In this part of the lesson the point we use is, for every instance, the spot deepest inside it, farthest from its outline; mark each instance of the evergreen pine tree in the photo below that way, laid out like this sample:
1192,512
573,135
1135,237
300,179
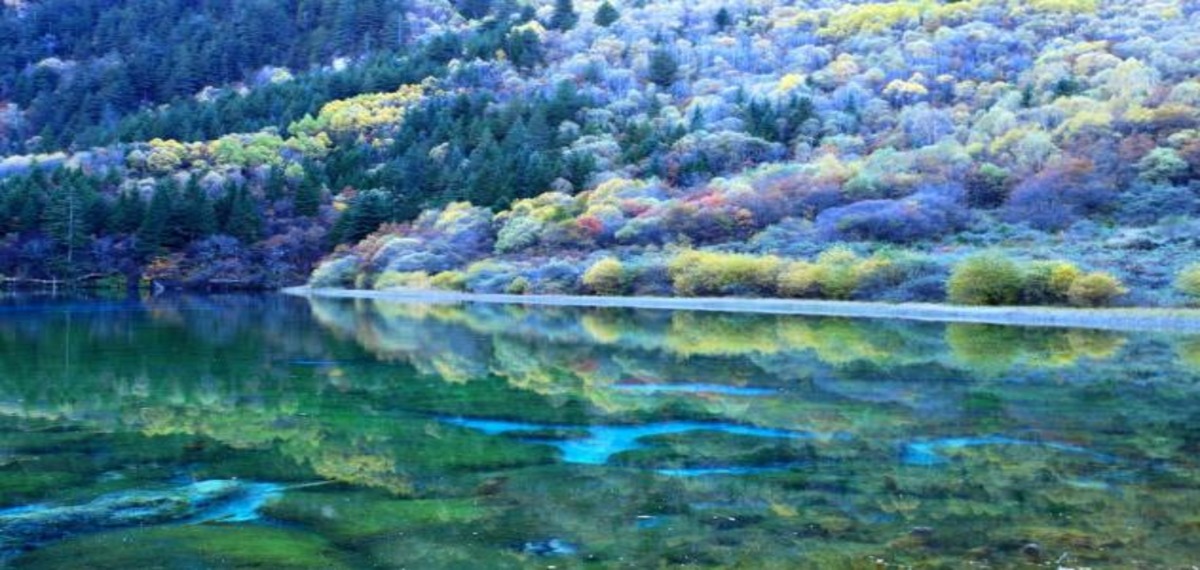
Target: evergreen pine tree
128,213
152,233
64,220
368,210
663,68
564,17
195,217
606,15
722,20
275,185
308,196
244,223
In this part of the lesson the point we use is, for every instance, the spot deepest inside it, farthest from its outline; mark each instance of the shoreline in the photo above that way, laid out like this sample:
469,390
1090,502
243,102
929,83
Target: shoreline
1131,319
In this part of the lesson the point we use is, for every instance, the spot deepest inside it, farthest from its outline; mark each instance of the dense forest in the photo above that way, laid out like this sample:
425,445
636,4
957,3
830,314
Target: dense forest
982,151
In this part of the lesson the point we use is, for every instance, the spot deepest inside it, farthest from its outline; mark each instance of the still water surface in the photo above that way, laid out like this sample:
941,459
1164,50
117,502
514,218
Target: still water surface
277,432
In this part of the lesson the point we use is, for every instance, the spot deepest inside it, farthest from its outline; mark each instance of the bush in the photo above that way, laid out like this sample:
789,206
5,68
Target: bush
490,276
925,215
987,187
905,278
648,275
985,279
1145,204
518,286
1188,281
605,277
1095,290
1048,282
839,271
798,279
1058,196
338,272
402,280
449,281
714,273
554,277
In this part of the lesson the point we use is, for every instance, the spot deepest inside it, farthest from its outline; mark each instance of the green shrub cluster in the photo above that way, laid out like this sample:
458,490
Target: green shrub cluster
835,274
714,273
1188,282
449,281
402,280
993,279
606,277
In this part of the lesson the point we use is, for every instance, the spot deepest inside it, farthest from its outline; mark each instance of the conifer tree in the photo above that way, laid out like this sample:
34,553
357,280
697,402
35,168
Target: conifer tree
194,217
564,17
663,68
606,15
244,223
128,213
722,20
308,196
152,233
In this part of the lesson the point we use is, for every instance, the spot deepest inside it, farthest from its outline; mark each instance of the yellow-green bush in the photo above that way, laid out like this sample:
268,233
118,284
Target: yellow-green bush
402,280
1188,281
1047,282
798,279
1095,290
605,277
839,271
711,273
985,279
449,281
518,286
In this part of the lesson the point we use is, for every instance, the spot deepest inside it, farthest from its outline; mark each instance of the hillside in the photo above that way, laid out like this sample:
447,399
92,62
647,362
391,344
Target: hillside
807,149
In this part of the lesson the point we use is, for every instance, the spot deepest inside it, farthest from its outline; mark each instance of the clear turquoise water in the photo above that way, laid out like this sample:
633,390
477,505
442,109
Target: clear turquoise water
275,432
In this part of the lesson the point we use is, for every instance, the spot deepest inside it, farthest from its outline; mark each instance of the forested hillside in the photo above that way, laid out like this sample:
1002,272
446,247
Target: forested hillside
907,150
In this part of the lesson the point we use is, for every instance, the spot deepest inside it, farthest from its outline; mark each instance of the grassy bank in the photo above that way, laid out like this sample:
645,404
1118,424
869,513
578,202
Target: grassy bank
1134,319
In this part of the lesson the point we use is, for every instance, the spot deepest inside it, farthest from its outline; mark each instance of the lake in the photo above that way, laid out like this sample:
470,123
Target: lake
279,432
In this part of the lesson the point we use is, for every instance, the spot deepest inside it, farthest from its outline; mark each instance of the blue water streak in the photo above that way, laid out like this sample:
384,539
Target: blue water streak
926,453
688,472
602,442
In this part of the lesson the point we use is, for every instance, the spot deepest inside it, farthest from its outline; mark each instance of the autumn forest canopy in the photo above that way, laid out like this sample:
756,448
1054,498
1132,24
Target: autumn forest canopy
973,151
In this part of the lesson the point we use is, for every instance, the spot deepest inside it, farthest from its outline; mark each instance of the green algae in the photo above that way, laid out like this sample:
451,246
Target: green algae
192,546
355,516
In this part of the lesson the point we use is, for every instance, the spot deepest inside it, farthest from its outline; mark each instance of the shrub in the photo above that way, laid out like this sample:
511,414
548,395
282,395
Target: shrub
518,286
648,275
987,187
605,277
708,272
1188,281
985,279
554,277
1095,290
928,214
1058,196
839,271
402,280
335,272
489,276
905,278
449,281
798,279
1162,165
1047,282
519,233
1145,204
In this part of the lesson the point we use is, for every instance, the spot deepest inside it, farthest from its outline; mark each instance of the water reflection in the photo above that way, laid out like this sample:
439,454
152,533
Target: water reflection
439,435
